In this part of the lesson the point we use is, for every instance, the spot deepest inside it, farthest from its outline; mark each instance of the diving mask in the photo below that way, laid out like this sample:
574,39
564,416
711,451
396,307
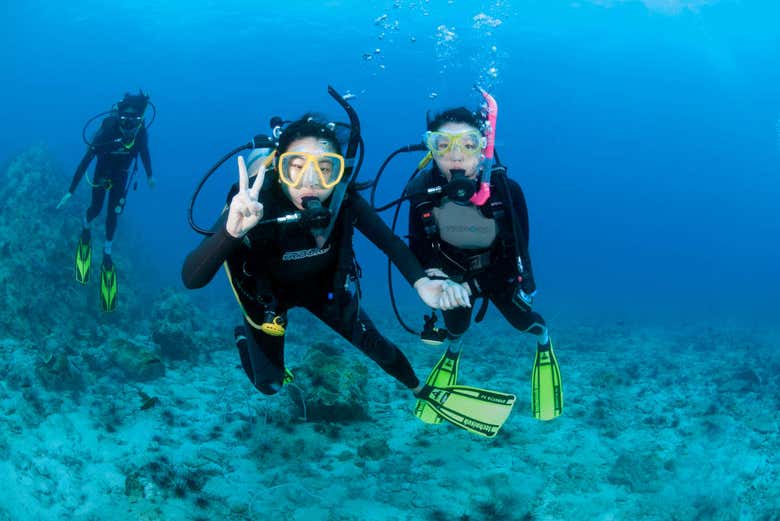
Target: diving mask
295,168
470,142
130,122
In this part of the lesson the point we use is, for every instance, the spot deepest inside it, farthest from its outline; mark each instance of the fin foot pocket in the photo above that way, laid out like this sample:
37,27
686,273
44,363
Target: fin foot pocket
444,374
108,285
546,385
83,264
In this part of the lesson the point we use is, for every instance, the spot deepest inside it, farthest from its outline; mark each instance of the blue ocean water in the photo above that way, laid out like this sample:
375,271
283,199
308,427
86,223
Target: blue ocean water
649,125
645,134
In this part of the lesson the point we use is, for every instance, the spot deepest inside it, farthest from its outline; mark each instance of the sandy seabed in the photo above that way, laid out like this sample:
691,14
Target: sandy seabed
660,423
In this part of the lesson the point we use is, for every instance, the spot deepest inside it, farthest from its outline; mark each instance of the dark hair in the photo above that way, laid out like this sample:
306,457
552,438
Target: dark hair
456,115
134,103
309,125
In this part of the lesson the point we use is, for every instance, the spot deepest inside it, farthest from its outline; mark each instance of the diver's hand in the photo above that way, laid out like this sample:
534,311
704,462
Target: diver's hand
442,294
436,273
151,181
245,210
64,200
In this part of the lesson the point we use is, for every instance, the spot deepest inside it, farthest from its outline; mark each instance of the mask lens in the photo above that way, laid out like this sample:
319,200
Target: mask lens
438,142
130,122
291,168
326,168
471,143
331,168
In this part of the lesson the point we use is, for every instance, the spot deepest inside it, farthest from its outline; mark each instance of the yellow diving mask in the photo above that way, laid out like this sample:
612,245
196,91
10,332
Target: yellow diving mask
470,142
295,167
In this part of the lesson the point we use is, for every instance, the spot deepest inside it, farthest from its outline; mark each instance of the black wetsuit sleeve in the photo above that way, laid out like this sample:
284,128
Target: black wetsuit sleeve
521,216
521,210
203,262
103,136
143,151
89,155
374,228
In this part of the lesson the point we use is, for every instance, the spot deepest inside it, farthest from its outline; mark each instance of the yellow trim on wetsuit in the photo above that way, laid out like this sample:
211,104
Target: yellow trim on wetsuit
238,299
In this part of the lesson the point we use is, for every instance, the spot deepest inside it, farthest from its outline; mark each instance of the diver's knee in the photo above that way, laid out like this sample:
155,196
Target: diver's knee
377,347
456,330
268,388
531,322
537,329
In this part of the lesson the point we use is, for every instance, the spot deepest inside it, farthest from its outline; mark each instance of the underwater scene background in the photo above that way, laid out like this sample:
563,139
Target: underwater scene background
646,137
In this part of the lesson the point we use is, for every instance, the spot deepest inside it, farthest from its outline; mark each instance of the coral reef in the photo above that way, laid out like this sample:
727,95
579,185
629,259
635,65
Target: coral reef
138,361
57,373
177,326
333,385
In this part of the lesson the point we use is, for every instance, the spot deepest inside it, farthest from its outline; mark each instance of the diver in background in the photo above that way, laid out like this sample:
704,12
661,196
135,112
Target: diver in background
469,221
121,139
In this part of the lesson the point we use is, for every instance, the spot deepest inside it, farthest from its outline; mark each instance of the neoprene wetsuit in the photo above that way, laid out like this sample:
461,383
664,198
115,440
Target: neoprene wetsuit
291,269
491,271
114,158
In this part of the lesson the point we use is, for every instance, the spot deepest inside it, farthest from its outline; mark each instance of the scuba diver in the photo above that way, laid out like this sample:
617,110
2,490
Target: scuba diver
120,140
468,222
285,241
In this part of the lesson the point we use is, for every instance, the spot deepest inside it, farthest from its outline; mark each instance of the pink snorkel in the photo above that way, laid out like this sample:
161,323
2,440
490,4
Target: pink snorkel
483,194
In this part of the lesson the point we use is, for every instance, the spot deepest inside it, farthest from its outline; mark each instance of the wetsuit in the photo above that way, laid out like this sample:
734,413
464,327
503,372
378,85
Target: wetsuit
490,269
283,263
114,155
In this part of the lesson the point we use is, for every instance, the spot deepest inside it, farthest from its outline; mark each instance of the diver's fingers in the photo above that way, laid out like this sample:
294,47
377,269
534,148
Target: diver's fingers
241,204
466,300
451,302
465,293
458,295
246,208
467,288
447,291
257,209
243,177
254,193
444,301
436,272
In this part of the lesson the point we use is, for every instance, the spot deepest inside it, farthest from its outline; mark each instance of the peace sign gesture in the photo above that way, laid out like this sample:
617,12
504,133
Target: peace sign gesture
245,210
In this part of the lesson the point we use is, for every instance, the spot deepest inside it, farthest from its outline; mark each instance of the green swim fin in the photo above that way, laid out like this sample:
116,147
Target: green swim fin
444,374
108,284
480,411
546,385
84,257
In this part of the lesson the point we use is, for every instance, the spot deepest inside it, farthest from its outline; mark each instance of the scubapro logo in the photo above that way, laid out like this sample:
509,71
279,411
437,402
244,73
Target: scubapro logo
304,254
456,228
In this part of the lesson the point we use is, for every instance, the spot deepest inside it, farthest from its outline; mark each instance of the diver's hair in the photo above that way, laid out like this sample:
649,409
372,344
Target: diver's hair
456,115
309,125
135,103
